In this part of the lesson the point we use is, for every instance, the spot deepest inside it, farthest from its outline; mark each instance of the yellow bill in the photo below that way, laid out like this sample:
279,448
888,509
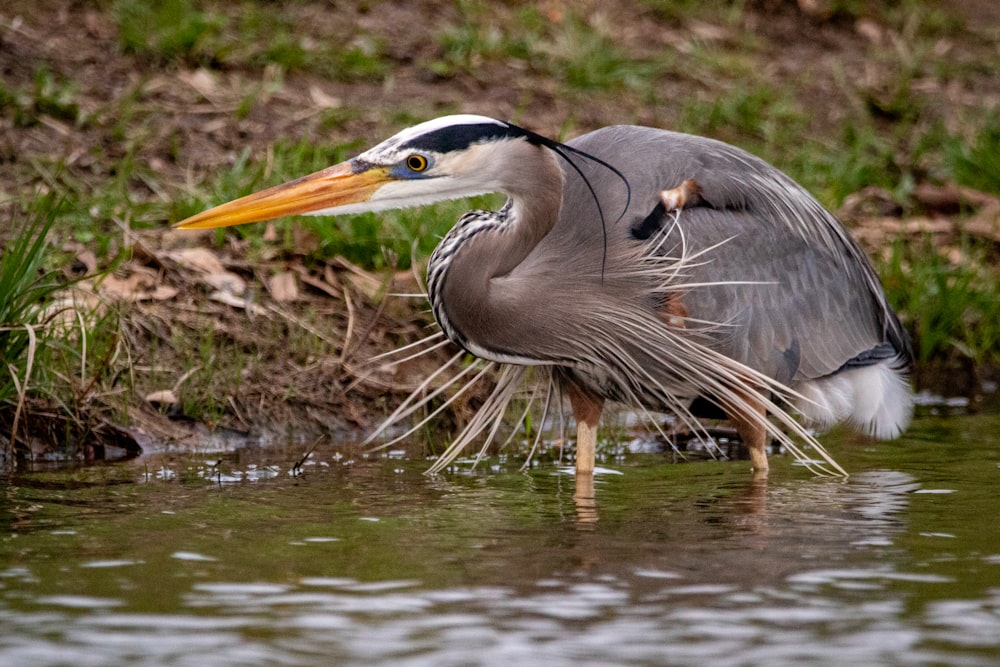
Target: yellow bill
335,187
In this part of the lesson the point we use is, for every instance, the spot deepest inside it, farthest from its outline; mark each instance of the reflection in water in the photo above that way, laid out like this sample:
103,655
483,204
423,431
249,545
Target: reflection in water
585,499
747,534
372,562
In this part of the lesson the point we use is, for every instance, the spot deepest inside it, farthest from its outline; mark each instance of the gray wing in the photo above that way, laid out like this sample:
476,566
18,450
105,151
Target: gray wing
788,291
783,306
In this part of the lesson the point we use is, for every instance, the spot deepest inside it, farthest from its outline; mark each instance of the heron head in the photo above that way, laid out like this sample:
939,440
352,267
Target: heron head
446,158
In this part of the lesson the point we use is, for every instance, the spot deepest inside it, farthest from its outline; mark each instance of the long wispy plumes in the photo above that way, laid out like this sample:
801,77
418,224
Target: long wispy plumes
692,369
415,345
418,399
550,390
488,418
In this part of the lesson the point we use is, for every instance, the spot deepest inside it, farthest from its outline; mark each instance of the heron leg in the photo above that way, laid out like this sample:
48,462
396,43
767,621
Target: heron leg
587,413
752,431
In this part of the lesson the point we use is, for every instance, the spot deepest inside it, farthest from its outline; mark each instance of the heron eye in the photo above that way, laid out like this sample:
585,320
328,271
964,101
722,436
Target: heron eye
416,162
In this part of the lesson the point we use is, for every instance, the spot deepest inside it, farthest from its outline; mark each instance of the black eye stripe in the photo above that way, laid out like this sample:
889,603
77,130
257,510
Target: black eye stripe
458,137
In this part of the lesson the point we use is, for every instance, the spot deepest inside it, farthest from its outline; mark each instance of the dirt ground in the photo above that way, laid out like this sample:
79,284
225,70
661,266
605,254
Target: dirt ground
186,123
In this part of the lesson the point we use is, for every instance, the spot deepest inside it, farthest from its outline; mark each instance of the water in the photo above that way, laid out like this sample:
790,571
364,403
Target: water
172,560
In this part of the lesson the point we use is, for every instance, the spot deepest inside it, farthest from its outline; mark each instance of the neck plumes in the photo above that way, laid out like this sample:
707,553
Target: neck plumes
472,276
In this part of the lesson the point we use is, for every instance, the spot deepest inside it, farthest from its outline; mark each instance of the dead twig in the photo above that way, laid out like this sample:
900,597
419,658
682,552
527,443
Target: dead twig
297,468
342,359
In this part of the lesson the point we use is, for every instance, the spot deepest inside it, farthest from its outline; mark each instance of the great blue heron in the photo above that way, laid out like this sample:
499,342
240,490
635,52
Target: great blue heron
661,270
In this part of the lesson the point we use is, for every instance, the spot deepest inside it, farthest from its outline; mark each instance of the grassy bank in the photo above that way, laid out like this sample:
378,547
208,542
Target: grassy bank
136,115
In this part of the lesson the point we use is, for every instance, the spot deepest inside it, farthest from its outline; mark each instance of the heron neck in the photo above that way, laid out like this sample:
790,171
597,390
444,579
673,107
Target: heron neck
469,306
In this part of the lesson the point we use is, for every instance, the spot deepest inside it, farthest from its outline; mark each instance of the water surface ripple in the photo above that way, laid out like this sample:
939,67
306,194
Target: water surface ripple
185,560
